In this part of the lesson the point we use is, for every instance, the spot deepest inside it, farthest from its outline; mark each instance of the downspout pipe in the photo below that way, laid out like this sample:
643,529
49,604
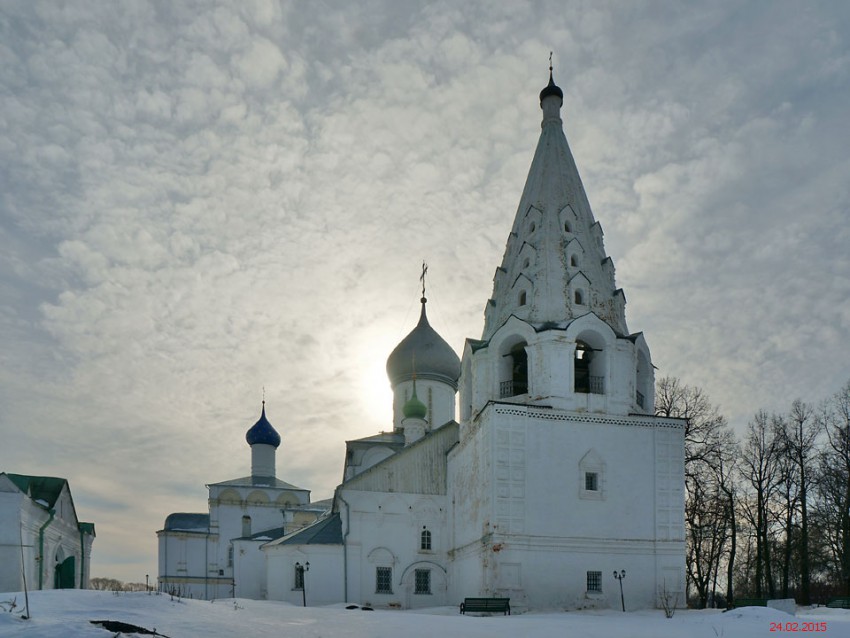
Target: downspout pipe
41,548
82,560
207,563
345,547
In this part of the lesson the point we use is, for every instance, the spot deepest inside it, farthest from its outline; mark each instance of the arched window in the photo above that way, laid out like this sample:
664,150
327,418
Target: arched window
574,261
246,526
567,227
425,540
522,298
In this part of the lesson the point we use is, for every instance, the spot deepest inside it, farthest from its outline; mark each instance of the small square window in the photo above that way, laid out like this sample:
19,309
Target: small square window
422,581
594,582
383,580
591,481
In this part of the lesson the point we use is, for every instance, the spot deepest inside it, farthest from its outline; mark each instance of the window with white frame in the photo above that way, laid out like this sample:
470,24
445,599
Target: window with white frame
594,582
425,540
591,481
422,581
383,580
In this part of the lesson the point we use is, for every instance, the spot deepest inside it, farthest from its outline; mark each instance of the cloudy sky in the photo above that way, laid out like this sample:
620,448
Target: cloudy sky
200,200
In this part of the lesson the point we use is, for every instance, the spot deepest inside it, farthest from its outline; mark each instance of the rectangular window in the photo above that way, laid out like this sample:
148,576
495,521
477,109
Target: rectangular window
591,481
425,540
230,556
299,578
383,580
422,581
594,581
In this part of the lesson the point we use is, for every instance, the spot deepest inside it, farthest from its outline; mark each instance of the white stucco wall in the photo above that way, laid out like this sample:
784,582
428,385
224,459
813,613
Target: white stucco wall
324,580
385,531
10,544
249,565
188,564
525,527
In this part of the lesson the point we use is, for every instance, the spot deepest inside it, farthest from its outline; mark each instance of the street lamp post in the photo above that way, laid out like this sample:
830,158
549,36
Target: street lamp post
300,569
620,576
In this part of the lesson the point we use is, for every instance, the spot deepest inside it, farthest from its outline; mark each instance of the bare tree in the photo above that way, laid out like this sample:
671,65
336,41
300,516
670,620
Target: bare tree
106,584
787,504
834,483
726,472
710,450
704,426
799,437
759,463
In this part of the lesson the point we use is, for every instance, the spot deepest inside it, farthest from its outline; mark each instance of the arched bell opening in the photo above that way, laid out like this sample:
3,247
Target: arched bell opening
514,371
589,366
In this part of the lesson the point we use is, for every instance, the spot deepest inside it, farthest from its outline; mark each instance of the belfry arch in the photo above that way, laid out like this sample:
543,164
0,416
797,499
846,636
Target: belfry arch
589,364
513,375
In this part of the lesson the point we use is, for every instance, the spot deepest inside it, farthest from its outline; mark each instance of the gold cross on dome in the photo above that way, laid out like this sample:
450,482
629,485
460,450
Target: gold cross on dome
422,276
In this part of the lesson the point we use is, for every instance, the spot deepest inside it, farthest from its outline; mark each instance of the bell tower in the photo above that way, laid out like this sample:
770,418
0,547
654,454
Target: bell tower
562,473
554,328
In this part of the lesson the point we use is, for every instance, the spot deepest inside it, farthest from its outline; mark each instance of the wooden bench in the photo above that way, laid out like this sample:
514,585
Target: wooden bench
486,605
839,603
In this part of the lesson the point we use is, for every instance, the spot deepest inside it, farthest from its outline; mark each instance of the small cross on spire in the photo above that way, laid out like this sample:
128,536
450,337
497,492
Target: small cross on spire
422,278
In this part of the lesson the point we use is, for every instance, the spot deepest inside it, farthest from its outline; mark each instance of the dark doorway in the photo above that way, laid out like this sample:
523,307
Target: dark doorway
64,575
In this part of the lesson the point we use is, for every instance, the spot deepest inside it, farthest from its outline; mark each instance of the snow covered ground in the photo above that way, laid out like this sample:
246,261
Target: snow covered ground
67,614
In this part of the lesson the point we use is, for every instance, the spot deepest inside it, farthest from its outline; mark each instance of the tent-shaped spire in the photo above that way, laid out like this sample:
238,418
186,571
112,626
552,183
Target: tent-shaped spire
554,268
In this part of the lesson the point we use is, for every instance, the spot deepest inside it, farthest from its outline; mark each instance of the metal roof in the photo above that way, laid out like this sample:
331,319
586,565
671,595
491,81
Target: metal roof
327,531
186,522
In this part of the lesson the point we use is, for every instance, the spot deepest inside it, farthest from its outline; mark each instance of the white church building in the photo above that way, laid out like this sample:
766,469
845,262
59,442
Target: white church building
548,475
43,545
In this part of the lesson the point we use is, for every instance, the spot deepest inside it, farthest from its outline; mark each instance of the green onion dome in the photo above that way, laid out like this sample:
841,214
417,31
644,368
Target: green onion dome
413,407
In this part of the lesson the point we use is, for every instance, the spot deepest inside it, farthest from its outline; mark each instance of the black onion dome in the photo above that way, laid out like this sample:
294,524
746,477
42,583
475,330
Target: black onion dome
551,89
424,353
263,432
